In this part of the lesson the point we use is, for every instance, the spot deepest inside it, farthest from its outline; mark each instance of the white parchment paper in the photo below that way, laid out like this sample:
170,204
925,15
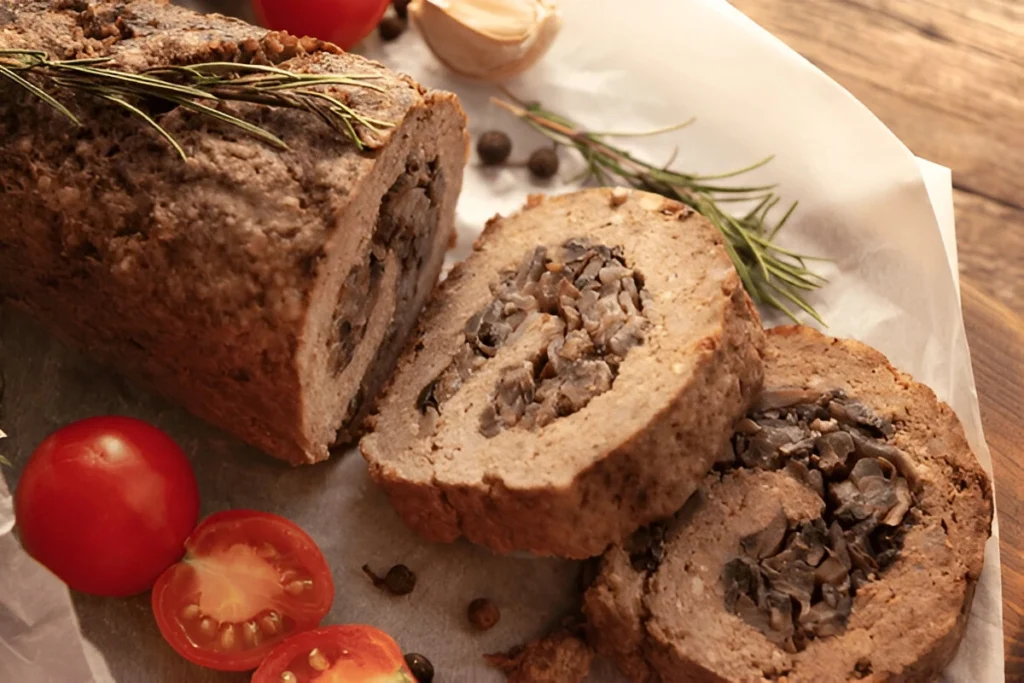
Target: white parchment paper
621,66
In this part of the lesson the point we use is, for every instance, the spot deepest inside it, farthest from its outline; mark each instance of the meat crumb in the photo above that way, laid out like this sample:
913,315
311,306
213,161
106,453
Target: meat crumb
557,658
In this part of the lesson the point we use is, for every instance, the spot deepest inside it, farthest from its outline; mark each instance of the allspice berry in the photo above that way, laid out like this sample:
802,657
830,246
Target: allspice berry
493,147
483,614
401,8
390,28
543,163
420,667
400,580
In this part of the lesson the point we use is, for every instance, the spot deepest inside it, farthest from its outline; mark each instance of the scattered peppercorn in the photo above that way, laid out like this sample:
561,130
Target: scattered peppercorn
493,147
390,28
401,8
420,666
400,580
543,163
483,614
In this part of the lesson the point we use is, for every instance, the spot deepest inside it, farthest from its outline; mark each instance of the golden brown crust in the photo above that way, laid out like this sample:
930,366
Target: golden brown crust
215,279
671,625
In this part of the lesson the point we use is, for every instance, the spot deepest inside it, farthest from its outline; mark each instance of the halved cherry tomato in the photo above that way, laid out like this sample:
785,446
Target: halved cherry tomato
344,22
106,504
352,653
248,581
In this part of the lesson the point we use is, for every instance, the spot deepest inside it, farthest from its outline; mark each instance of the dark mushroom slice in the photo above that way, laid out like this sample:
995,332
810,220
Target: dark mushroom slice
558,372
813,565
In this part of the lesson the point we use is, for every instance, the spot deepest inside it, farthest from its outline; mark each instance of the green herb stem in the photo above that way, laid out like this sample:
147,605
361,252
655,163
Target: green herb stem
198,88
772,275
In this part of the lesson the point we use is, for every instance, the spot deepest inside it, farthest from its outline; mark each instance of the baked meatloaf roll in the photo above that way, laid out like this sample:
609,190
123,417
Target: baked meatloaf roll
842,539
267,290
572,380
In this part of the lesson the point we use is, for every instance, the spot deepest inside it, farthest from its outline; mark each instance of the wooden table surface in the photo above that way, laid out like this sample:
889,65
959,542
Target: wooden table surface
947,76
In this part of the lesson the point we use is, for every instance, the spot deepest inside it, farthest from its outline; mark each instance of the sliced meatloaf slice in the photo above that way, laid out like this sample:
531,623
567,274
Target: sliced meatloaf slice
842,542
572,380
267,290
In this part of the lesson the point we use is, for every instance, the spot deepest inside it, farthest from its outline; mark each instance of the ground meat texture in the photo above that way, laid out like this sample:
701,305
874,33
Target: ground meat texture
840,540
268,291
558,372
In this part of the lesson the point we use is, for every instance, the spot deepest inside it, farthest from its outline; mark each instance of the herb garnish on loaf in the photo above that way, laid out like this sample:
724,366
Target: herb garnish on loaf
267,290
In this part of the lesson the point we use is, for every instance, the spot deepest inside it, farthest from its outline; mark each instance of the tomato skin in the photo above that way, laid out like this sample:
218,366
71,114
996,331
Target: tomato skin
343,22
356,653
106,504
235,573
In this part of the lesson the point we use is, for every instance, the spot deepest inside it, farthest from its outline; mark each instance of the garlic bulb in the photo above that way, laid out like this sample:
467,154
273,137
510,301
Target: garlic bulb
488,40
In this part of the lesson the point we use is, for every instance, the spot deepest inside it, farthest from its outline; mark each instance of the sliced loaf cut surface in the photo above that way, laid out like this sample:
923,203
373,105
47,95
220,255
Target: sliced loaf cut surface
572,380
844,542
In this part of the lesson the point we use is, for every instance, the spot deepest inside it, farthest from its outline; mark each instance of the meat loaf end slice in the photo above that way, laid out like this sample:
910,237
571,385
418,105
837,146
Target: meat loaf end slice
844,542
572,380
268,291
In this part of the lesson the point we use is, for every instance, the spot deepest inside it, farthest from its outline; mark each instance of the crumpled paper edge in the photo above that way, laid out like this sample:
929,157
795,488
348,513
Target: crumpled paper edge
938,181
40,640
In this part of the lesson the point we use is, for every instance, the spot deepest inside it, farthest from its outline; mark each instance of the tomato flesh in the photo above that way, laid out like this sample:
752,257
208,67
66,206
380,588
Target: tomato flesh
352,653
248,581
106,504
343,22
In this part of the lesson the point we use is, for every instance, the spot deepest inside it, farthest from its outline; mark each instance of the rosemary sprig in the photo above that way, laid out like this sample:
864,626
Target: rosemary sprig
773,276
197,88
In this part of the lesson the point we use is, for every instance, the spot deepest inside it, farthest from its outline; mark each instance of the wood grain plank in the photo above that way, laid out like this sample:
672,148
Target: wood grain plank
959,107
996,336
990,238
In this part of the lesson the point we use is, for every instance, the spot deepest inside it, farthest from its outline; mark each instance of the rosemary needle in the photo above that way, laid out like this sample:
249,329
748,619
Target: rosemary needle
772,275
198,88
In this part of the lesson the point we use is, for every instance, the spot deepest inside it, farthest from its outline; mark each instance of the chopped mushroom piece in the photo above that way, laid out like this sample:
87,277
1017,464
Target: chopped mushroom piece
795,582
599,319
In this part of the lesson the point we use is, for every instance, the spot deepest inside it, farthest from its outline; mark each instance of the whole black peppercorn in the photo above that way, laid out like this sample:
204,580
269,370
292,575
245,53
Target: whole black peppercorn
390,28
483,614
420,667
493,147
400,580
543,163
401,8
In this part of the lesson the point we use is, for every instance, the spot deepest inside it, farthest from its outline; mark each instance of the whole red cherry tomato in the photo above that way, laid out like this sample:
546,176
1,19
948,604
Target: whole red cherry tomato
248,581
351,653
106,504
344,22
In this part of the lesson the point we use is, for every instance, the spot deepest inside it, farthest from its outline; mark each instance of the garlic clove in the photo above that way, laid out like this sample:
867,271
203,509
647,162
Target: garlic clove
488,40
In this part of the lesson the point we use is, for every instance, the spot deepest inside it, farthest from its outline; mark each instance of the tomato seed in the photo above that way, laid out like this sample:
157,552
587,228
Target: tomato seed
227,637
317,660
288,677
271,623
190,612
267,551
296,587
208,626
251,633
